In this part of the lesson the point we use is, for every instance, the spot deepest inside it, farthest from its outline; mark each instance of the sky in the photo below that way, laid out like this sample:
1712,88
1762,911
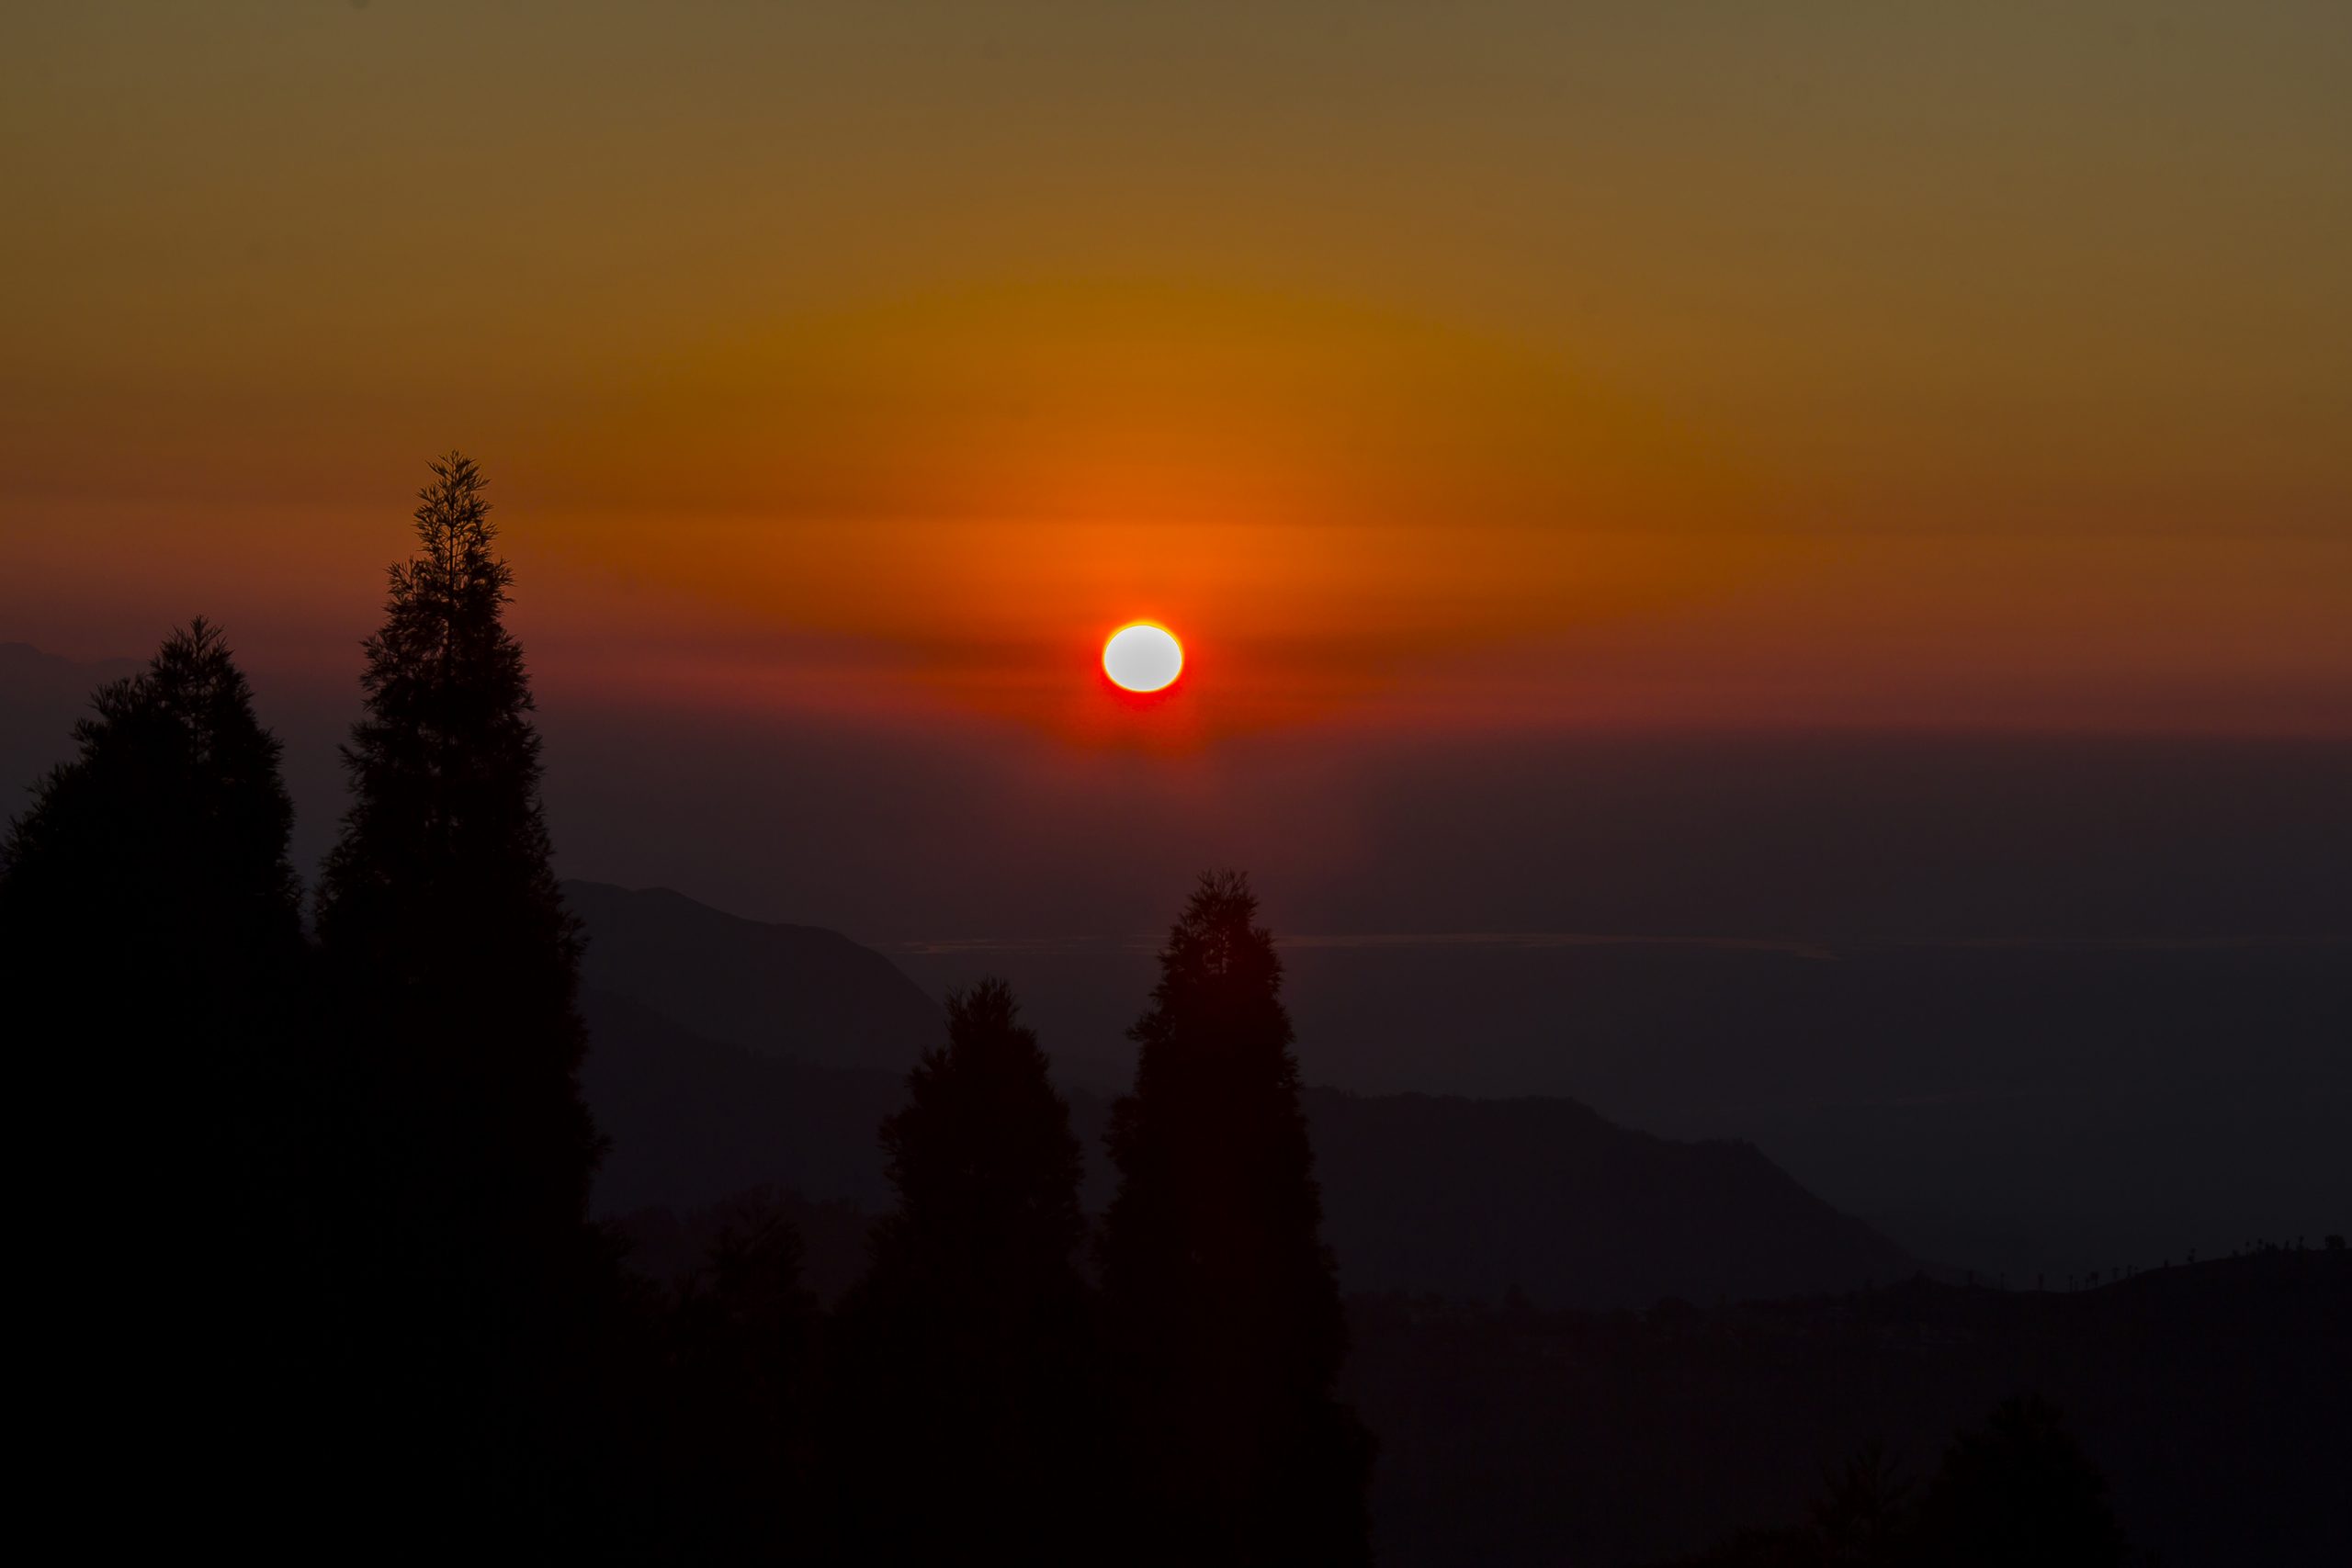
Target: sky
1432,369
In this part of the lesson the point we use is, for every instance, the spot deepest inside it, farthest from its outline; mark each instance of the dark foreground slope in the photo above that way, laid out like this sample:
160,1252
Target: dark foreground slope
1466,1197
2217,1398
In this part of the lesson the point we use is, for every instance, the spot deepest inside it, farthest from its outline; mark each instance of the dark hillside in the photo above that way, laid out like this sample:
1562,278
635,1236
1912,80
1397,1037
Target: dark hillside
2217,1398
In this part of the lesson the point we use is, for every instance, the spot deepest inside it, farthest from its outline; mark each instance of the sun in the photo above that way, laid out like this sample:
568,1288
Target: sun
1143,656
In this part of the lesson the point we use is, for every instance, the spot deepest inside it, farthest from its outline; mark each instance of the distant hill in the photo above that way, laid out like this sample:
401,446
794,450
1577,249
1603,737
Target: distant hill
779,990
28,674
1472,1197
1460,1197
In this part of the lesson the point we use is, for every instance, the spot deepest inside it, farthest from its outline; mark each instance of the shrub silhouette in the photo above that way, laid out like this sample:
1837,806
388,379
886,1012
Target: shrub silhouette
1221,1301
2018,1491
1866,1511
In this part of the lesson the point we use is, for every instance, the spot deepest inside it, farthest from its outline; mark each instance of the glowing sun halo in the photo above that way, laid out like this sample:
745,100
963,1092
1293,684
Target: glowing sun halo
1143,657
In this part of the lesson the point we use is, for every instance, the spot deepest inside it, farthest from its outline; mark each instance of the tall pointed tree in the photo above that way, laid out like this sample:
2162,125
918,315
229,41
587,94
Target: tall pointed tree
150,934
1222,1302
157,855
440,901
148,914
455,961
963,1355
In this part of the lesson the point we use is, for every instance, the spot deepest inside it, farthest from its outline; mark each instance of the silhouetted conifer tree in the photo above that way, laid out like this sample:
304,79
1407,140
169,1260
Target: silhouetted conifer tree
444,930
148,924
162,844
1221,1301
962,1356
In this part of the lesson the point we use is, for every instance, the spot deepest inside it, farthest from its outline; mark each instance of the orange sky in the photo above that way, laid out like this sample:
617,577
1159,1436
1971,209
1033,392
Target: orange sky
1479,366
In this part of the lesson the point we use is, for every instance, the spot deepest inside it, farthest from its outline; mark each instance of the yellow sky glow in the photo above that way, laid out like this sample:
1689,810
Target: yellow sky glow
1499,364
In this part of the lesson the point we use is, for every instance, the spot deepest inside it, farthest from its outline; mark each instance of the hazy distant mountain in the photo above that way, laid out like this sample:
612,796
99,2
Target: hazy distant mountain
694,1119
1460,1197
780,990
1472,1197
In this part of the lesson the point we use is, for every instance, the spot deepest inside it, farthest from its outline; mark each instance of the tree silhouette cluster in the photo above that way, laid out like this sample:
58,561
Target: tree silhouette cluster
2017,1493
347,1298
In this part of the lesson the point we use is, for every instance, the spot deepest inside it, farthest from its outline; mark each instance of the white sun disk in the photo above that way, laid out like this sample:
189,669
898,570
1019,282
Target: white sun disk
1142,657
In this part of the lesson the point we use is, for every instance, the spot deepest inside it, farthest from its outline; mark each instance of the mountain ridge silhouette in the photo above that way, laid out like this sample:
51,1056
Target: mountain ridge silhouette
767,987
